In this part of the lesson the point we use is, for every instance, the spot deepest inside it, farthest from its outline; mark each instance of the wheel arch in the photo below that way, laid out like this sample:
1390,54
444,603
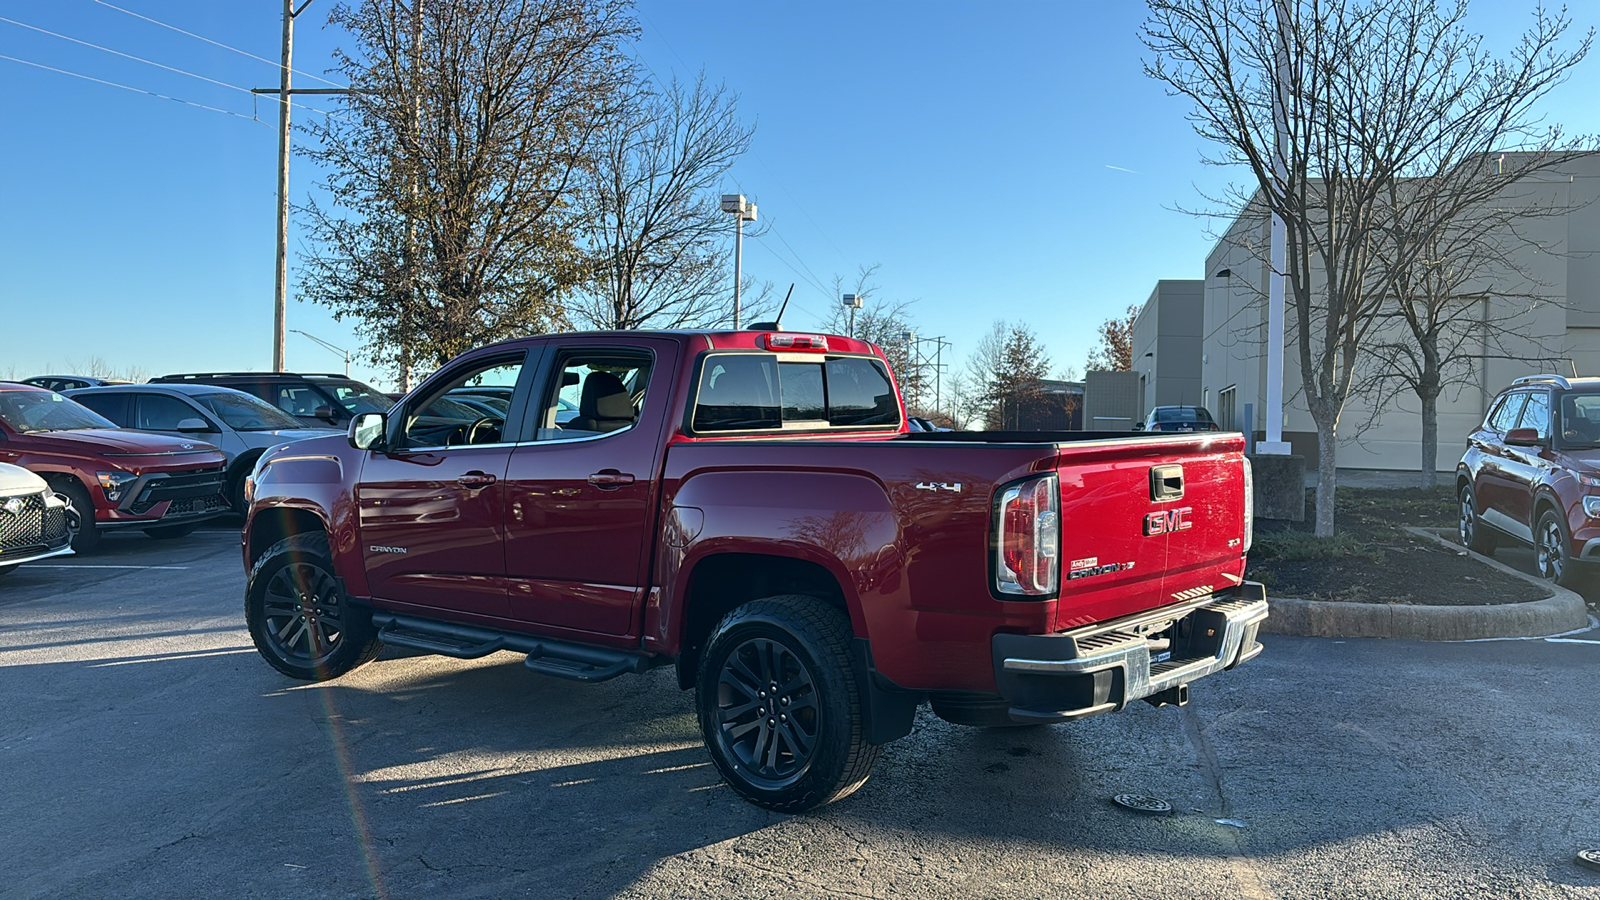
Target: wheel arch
719,582
273,524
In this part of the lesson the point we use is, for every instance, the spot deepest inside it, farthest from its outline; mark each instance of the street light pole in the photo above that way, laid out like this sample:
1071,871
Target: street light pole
852,302
743,211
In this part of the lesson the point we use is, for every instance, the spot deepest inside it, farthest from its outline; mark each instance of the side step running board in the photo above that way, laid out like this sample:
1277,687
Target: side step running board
578,662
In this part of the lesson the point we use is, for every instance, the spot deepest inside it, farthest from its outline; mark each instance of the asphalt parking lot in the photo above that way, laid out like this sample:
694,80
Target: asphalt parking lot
148,752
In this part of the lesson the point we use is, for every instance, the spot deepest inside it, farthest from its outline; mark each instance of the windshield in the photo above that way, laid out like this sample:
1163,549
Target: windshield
243,412
1580,421
32,411
355,396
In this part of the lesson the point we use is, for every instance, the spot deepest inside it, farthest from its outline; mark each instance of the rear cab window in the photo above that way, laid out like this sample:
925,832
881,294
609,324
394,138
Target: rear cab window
742,392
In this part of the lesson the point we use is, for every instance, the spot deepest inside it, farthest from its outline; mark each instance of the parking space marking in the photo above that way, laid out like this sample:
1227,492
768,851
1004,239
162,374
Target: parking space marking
170,568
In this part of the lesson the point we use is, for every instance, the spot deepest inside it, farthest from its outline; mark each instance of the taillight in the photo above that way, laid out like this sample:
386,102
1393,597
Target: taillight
797,342
1249,504
1028,538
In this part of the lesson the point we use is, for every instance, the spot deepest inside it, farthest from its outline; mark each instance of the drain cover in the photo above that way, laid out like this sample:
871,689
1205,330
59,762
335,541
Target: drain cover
1589,859
1154,806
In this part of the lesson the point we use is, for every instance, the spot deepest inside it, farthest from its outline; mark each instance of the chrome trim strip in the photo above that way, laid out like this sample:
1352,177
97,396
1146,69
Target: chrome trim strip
63,551
1507,524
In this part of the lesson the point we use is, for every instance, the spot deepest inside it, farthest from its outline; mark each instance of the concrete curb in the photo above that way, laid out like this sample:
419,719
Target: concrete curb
1562,612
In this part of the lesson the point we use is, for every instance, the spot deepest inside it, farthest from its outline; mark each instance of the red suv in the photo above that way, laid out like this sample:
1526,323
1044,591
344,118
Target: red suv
1531,475
111,478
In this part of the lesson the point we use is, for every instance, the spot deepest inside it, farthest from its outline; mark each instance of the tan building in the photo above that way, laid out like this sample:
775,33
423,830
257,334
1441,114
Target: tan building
1553,313
1167,336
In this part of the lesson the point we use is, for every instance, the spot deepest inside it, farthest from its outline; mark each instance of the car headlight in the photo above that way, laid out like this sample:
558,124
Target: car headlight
1591,507
1589,480
114,483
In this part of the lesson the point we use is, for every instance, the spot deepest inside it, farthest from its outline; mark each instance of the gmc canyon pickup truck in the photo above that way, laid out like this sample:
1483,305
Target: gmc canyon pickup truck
751,507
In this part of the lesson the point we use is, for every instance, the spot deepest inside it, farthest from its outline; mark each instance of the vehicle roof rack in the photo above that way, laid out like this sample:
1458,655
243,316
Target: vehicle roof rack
1557,380
182,375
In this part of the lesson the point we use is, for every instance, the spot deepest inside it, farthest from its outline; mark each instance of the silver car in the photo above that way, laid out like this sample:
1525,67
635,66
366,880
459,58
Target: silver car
241,425
33,520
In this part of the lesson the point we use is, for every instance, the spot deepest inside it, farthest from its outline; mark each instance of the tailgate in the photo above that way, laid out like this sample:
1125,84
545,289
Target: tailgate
1147,522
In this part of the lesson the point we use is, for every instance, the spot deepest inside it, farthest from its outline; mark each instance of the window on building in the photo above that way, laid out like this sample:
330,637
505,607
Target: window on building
1226,414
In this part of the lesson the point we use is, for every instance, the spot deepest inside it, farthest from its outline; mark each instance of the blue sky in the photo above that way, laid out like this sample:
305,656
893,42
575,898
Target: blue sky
996,160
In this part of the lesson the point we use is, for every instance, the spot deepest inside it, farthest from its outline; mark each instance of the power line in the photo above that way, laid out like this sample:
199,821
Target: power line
198,37
148,62
228,112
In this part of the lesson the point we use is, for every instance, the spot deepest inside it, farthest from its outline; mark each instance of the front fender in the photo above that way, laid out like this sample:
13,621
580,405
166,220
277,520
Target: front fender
298,488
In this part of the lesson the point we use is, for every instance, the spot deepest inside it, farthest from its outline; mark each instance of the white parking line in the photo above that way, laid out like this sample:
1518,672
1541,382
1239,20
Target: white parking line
170,568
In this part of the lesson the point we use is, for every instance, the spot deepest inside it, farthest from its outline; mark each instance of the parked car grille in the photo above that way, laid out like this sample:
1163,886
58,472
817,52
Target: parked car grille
32,528
182,486
197,505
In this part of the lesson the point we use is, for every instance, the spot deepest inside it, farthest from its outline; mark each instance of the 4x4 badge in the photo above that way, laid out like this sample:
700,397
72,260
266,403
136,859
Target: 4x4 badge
952,487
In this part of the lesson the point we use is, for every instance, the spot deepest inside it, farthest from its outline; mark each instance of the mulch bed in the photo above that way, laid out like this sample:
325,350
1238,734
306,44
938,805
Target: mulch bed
1373,559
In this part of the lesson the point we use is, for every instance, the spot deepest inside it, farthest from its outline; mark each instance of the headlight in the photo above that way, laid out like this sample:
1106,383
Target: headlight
114,483
1591,507
1589,480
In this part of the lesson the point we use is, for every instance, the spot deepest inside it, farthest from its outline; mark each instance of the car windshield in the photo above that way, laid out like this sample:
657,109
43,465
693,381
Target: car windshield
243,412
33,411
1580,421
355,396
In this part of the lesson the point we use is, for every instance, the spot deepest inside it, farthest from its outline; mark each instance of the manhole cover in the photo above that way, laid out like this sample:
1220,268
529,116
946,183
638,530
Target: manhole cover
1155,806
1589,859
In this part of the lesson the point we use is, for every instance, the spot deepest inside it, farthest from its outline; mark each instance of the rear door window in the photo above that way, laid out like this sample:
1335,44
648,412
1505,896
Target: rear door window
758,392
1505,417
112,406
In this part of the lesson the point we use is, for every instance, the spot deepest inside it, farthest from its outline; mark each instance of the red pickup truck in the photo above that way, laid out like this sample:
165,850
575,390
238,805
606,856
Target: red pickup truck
751,507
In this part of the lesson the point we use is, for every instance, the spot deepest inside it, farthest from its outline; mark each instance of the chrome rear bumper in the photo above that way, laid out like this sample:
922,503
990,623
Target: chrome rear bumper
1151,655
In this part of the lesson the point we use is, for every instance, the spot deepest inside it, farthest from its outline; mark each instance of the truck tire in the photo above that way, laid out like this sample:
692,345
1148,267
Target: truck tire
80,513
298,616
779,705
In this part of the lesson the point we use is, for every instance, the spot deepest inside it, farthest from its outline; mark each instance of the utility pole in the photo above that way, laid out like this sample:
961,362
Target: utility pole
284,92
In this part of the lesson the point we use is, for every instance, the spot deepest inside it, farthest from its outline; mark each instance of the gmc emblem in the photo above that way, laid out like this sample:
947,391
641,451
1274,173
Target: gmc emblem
1168,521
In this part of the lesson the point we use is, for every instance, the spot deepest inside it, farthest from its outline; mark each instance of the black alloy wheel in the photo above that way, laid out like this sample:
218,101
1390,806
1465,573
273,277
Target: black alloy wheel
767,715
779,705
1474,535
299,618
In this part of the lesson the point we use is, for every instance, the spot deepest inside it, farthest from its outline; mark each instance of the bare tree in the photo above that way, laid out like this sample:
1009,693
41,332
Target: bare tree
657,238
1467,295
451,217
1365,93
1114,353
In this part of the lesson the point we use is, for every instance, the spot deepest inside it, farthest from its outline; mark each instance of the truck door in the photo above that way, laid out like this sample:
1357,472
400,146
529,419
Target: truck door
582,490
431,507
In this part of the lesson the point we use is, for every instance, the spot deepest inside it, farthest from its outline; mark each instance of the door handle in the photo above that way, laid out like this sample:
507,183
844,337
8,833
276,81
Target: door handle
610,479
475,480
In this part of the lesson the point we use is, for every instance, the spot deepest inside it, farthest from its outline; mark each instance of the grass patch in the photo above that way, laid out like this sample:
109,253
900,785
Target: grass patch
1372,558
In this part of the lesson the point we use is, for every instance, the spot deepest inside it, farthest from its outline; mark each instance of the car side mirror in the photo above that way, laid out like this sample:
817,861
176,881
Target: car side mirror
1524,437
323,412
1138,426
368,431
193,425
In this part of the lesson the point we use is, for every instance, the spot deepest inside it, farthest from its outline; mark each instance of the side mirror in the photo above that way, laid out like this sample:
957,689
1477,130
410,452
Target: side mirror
1524,437
368,430
193,425
323,412
1138,426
